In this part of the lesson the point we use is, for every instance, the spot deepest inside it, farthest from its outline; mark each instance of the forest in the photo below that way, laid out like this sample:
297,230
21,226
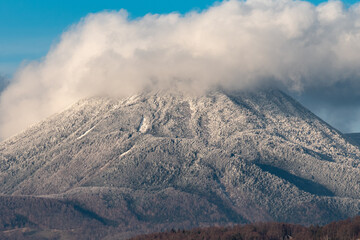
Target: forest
348,229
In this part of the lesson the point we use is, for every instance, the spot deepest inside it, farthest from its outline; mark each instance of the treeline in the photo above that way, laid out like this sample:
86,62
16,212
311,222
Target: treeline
341,230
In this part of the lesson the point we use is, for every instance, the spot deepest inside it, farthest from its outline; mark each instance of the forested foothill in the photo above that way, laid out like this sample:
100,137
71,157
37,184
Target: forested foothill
341,230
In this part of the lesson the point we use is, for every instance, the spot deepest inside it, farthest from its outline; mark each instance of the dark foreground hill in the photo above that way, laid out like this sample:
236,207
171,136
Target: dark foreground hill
343,230
111,168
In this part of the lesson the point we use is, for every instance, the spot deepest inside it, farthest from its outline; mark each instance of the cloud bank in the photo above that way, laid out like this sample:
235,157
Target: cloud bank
236,44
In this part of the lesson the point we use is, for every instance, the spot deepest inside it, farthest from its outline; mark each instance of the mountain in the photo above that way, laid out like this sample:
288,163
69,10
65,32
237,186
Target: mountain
113,168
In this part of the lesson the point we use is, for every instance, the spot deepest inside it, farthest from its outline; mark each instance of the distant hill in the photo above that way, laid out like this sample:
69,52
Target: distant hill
111,167
4,82
354,136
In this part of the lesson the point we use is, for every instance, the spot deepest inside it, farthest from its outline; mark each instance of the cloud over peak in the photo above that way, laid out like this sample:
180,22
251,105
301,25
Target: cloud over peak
236,44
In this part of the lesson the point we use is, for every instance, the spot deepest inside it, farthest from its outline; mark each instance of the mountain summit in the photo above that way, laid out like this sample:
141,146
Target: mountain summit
164,160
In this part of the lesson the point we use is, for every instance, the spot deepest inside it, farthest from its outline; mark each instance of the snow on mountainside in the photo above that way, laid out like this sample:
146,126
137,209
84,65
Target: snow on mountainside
169,159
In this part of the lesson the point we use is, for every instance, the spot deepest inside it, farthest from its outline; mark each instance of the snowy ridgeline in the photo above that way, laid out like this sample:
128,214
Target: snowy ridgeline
251,156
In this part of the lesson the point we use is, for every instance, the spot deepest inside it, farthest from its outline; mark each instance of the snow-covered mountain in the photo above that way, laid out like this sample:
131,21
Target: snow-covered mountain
167,159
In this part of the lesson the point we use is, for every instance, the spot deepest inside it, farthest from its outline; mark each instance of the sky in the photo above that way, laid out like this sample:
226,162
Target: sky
34,34
29,28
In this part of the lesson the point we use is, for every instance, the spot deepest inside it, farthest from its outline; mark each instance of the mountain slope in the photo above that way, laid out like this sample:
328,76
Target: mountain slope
169,159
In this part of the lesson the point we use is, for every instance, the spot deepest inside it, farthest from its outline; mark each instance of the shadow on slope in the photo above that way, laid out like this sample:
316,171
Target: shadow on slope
301,183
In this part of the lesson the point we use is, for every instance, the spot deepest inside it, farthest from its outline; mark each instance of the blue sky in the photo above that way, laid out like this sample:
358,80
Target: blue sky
29,27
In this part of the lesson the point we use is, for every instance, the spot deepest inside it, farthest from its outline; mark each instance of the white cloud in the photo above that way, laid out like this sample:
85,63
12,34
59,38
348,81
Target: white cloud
235,43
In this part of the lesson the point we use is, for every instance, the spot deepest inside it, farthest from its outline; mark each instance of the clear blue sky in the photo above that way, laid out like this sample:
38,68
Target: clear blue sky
29,27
